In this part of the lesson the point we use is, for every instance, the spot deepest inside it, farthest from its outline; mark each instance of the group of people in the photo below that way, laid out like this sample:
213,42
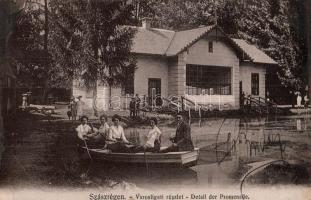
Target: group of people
112,137
75,108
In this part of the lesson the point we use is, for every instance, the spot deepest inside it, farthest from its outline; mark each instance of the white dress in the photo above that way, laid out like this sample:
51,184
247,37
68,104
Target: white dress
299,101
80,105
153,134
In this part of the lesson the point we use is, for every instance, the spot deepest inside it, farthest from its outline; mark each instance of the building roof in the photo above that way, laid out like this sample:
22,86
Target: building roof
255,54
183,39
152,41
170,43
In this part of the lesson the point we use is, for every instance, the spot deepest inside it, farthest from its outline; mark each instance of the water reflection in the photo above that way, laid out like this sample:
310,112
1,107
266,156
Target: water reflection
224,144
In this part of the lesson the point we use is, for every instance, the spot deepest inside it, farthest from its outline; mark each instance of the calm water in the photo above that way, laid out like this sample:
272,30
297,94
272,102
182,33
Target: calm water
223,144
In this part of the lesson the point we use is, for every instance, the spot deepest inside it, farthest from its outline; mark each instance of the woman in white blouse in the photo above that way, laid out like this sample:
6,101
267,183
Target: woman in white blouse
84,130
153,138
116,132
116,140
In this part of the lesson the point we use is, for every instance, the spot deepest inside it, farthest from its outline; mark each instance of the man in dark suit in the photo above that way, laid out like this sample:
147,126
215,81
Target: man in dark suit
182,139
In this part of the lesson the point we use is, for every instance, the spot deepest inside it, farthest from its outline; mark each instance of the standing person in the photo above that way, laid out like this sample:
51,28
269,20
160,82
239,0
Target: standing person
242,100
137,100
306,101
299,99
117,141
132,107
80,105
182,139
145,103
73,108
153,142
24,104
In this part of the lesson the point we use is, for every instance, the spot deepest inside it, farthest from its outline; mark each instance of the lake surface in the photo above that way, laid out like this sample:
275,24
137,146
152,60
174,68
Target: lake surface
225,146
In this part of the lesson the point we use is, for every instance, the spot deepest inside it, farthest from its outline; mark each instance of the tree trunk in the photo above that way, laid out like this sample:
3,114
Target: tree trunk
110,93
46,63
307,5
95,100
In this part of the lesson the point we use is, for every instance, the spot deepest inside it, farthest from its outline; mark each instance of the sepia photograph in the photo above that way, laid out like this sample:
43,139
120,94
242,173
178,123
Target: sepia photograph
155,99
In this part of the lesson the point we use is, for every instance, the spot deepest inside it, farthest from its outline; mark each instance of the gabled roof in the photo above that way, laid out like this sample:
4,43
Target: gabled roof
152,41
170,43
183,39
253,52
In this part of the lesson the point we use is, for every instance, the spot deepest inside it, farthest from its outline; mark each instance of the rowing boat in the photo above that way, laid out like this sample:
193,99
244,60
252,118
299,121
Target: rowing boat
183,158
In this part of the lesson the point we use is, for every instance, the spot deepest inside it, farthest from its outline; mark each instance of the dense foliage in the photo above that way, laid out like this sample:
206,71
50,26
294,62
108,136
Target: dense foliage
275,26
59,41
85,38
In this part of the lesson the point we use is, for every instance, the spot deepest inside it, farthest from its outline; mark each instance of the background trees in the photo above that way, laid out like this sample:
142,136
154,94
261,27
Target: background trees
85,38
275,26
82,39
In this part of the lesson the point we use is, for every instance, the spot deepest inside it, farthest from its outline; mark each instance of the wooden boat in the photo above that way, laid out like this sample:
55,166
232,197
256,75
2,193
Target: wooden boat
182,159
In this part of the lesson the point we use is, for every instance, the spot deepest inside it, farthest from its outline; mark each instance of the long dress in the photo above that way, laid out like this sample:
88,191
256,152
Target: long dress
80,105
73,109
299,101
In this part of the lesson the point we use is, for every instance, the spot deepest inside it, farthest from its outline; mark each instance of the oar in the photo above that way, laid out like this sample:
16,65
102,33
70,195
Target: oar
146,163
88,151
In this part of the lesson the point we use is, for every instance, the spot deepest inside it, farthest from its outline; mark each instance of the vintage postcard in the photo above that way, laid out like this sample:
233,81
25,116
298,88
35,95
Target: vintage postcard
155,99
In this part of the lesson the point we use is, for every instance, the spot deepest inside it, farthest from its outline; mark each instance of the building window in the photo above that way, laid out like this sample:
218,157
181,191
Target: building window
255,84
210,47
208,80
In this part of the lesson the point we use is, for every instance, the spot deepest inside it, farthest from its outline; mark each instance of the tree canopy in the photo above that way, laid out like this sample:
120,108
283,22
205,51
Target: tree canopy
274,26
76,39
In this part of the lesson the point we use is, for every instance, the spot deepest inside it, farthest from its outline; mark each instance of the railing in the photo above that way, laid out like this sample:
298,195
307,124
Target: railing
187,103
174,105
261,105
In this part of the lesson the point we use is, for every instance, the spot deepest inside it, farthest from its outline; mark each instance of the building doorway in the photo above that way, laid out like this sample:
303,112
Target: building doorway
154,91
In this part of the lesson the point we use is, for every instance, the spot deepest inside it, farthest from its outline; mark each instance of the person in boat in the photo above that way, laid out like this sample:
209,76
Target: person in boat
116,140
98,136
84,130
103,130
182,139
153,142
